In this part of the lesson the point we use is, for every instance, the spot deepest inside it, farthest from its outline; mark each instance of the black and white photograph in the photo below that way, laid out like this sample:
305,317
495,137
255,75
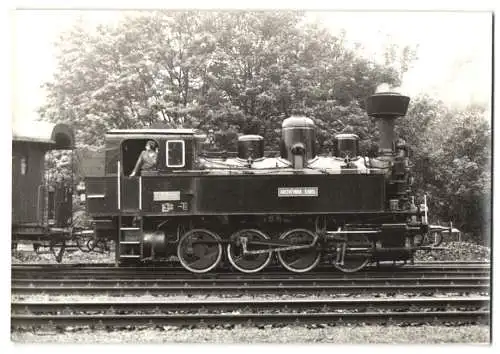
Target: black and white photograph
251,176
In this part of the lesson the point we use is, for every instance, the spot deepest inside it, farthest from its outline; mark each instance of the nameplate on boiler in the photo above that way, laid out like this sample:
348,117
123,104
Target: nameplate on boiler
164,195
298,192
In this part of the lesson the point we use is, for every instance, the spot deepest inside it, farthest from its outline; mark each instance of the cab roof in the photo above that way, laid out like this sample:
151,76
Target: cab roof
149,131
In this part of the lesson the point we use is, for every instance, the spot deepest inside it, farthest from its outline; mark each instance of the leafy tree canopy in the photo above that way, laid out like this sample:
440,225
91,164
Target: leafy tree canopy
233,72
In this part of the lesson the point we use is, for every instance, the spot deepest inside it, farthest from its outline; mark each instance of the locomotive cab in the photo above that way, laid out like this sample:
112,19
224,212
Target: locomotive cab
171,154
176,150
118,191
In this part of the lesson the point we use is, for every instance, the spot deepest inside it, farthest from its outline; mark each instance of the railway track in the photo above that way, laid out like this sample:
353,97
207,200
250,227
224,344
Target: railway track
154,275
419,279
254,313
278,286
427,278
108,271
255,281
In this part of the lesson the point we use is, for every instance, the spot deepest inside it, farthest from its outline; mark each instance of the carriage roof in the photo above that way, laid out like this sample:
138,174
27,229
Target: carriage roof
55,136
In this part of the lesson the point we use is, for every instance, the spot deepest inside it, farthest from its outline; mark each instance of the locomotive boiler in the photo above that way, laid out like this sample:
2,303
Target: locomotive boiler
299,208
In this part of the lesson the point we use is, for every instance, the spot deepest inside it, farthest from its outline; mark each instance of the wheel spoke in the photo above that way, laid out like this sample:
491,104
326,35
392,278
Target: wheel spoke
248,263
303,260
195,254
237,259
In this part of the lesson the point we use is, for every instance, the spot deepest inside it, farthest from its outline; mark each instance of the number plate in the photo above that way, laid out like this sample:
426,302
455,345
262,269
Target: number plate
298,192
174,207
166,195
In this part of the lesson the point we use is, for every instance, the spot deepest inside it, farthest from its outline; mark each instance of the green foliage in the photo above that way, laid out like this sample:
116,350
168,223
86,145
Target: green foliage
463,170
233,72
58,166
451,153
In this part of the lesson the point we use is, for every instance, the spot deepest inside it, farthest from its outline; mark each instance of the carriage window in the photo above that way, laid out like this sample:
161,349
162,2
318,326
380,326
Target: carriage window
175,153
24,165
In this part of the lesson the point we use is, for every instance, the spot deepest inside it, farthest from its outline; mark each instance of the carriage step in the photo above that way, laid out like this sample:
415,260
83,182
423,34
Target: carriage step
130,256
130,242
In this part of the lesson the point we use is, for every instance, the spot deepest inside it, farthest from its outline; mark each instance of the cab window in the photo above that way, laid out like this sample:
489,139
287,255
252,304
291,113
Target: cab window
131,151
175,153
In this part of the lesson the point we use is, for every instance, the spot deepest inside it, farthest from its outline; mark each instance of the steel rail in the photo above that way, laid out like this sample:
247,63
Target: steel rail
448,280
19,279
188,276
250,319
190,289
167,272
272,269
168,265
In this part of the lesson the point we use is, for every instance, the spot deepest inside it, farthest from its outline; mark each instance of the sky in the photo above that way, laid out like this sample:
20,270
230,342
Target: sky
454,50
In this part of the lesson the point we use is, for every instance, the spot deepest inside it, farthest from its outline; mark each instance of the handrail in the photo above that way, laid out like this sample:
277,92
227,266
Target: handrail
119,191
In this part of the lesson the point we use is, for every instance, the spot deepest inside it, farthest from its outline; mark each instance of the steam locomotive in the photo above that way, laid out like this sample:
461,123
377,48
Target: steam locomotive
345,210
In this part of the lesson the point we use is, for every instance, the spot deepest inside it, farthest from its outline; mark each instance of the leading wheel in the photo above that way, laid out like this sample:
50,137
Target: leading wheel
299,260
248,263
199,250
355,257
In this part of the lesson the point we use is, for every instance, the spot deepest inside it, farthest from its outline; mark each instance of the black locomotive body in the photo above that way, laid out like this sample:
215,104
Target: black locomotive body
346,210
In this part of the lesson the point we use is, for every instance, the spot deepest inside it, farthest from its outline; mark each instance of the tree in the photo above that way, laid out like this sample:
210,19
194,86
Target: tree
233,72
451,154
463,169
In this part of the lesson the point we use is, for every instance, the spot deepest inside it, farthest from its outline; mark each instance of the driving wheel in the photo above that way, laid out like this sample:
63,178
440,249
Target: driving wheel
199,250
248,263
299,260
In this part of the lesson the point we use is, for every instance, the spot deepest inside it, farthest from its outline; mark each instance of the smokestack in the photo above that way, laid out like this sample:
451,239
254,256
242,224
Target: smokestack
386,107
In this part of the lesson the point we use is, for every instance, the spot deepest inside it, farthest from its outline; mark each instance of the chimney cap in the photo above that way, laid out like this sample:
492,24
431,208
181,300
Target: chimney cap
387,105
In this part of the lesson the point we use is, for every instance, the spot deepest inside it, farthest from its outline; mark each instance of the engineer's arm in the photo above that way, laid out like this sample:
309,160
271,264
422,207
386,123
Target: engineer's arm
137,165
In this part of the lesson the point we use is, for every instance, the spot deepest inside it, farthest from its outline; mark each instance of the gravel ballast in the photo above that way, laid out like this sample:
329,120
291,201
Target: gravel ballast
455,251
427,334
242,297
339,335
